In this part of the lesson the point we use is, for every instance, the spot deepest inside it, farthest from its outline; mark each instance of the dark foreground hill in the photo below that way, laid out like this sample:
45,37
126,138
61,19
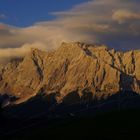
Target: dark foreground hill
114,118
111,125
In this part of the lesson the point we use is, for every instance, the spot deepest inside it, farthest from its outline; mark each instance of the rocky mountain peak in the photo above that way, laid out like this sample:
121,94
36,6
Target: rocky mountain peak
74,68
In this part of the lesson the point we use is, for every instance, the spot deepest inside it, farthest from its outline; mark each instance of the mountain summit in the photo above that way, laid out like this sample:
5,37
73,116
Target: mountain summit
74,68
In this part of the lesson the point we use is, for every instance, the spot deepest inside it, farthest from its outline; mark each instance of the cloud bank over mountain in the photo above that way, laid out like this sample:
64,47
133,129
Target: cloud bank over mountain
111,22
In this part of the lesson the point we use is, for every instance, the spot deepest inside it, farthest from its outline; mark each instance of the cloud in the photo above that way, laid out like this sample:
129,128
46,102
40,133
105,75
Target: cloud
123,16
6,54
2,16
20,52
112,22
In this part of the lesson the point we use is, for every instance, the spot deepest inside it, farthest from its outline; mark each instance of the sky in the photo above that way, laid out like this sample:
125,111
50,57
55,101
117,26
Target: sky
24,13
45,24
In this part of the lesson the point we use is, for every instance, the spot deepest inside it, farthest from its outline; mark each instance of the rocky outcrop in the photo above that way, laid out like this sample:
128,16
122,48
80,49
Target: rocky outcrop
72,68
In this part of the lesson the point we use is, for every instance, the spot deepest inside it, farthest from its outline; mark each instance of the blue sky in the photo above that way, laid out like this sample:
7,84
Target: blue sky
27,12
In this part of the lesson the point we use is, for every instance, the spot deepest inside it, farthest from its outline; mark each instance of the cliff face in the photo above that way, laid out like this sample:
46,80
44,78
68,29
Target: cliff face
72,68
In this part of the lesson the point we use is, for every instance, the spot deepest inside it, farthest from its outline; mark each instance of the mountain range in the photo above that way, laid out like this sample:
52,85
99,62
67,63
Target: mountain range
72,72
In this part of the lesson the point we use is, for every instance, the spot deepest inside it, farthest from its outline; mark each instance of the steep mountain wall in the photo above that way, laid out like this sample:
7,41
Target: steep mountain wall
73,67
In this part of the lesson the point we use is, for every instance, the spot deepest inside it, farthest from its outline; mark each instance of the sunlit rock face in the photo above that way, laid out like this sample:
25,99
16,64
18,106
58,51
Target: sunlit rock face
76,68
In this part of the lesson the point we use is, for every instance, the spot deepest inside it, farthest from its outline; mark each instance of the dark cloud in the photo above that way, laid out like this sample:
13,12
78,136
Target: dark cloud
2,16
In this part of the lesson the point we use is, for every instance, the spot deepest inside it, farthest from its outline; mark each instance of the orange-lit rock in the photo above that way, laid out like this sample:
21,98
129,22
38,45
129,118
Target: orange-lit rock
72,67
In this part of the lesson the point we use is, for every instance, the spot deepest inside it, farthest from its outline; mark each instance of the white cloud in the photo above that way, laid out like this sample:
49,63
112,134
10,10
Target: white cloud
20,52
122,16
